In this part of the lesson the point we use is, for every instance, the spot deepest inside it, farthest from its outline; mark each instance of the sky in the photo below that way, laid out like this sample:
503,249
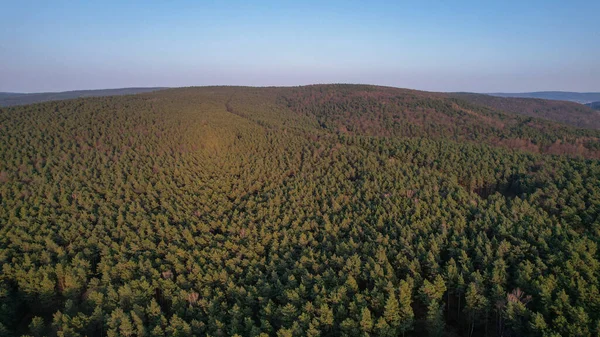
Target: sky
478,46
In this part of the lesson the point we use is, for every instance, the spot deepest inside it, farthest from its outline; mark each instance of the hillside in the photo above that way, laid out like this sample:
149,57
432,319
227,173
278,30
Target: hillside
560,111
8,94
594,105
329,210
392,112
11,99
579,97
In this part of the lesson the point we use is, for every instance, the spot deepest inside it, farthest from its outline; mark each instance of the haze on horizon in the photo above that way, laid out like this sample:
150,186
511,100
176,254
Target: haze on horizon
504,46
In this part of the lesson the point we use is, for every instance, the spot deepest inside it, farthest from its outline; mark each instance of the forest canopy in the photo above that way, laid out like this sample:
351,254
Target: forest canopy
330,210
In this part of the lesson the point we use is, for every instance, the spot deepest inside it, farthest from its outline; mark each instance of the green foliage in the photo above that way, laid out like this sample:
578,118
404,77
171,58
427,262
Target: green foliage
37,326
366,321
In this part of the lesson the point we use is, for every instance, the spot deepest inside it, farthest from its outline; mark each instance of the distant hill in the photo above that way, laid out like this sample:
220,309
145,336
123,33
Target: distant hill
560,111
579,97
594,105
10,98
4,95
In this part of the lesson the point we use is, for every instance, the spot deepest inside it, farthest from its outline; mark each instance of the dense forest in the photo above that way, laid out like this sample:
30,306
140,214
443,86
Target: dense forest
330,210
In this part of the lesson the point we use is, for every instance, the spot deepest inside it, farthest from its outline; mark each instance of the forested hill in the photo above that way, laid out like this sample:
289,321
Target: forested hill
392,112
10,99
330,210
570,113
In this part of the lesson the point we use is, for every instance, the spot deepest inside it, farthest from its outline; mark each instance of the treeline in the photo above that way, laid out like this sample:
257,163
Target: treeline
239,211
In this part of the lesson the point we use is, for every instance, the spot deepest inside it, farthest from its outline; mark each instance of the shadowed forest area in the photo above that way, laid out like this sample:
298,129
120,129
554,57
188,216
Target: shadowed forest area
326,210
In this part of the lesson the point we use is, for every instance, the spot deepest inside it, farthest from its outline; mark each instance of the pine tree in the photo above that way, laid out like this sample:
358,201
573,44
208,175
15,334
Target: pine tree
36,327
435,319
475,305
406,310
326,316
391,311
366,321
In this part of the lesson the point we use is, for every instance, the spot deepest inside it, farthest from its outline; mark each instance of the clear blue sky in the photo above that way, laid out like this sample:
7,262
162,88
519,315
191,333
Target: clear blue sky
475,45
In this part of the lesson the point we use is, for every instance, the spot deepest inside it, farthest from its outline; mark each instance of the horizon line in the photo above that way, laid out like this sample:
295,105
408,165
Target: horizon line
291,86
